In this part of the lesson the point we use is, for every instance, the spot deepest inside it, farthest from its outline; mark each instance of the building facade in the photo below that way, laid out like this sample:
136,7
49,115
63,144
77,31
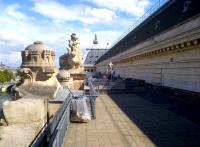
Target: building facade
169,57
93,56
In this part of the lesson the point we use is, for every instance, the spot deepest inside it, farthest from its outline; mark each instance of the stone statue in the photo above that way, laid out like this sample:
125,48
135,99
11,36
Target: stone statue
73,59
37,72
71,66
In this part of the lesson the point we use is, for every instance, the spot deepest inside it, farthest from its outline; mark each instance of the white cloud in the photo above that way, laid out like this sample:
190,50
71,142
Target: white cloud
11,37
22,31
134,7
12,11
83,13
101,14
11,58
19,29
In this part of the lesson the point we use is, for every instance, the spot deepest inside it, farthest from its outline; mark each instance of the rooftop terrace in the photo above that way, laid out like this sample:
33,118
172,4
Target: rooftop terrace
129,120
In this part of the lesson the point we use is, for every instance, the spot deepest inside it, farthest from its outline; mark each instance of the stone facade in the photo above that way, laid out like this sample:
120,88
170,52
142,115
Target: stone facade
170,59
23,111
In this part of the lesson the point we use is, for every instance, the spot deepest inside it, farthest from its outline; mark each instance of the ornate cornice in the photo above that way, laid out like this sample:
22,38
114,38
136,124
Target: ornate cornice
175,47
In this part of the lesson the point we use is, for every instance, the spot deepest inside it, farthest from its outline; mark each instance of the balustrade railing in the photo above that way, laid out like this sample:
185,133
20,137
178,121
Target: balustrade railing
149,12
53,132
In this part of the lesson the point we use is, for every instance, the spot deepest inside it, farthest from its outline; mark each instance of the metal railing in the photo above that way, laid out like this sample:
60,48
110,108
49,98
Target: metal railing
101,86
53,132
149,12
93,92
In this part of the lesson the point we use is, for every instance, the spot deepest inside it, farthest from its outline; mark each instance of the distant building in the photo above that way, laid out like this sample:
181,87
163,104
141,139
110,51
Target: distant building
163,49
10,69
92,56
5,67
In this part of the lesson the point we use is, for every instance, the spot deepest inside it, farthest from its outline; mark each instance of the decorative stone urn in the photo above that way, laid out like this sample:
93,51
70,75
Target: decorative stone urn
64,77
38,71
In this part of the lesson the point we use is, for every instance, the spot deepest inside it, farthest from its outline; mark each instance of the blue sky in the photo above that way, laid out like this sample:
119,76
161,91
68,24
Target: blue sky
52,21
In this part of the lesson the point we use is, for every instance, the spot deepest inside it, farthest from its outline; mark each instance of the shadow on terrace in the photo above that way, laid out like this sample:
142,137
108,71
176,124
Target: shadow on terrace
161,126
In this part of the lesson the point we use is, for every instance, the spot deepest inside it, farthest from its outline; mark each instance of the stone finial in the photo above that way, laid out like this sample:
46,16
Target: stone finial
63,77
95,41
38,42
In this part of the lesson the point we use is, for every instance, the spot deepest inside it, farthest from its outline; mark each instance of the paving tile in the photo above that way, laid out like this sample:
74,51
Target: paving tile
80,144
116,140
130,121
93,143
104,141
68,145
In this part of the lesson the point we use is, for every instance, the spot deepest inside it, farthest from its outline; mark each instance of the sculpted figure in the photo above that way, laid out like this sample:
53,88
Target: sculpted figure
73,59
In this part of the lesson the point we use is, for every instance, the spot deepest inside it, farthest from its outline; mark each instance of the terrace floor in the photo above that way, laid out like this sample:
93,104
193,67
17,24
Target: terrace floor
128,120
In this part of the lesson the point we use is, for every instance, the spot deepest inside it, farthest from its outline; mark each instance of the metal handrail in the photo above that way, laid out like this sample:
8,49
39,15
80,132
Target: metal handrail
52,133
92,91
46,136
61,126
149,12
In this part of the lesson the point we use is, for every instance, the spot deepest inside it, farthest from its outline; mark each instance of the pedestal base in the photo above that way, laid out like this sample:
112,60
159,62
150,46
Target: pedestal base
76,81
